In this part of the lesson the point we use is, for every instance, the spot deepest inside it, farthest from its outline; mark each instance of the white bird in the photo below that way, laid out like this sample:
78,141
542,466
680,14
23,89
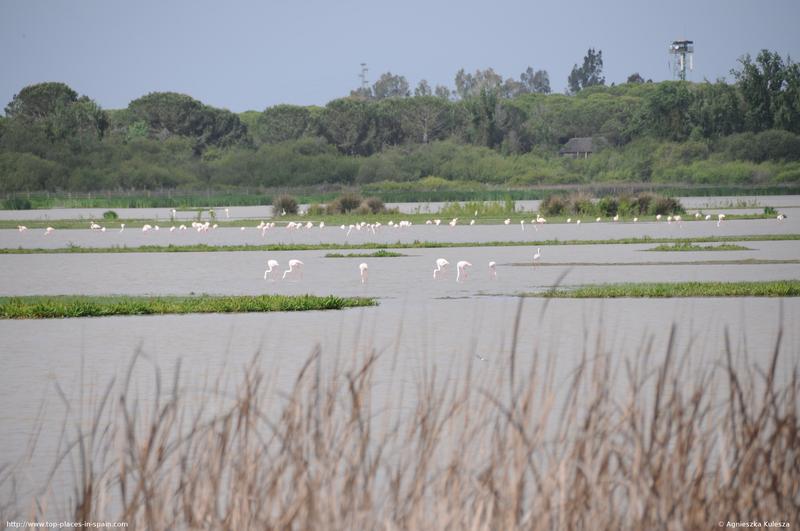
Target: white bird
121,227
322,224
461,270
616,217
271,271
23,228
94,226
492,270
708,216
677,219
102,229
537,255
437,221
48,231
781,217
598,220
182,227
453,223
441,265
507,221
227,213
522,224
658,217
472,222
669,220
363,270
295,269
156,227
569,220
146,228
241,228
697,215
172,228
309,225
720,218
578,222
635,220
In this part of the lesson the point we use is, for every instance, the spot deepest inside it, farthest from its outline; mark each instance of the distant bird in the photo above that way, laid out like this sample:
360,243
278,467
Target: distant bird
295,269
48,231
616,217
437,222
227,213
309,225
461,270
677,219
441,266
363,270
121,227
453,223
720,219
481,358
322,224
781,217
658,217
598,220
635,220
522,224
182,227
94,226
156,227
172,228
507,221
537,255
472,222
22,228
272,269
578,222
492,270
569,220
146,228
241,228
697,215
669,220
708,216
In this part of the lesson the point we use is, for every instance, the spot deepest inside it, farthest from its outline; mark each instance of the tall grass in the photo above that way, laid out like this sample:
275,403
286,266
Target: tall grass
643,444
769,288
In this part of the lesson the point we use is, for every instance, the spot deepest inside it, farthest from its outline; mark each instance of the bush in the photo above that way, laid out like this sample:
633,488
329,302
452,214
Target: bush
348,201
666,205
641,203
110,215
554,205
17,203
375,204
316,209
608,205
285,203
581,204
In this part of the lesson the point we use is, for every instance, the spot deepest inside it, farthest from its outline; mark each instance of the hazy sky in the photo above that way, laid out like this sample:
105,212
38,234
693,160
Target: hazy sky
245,55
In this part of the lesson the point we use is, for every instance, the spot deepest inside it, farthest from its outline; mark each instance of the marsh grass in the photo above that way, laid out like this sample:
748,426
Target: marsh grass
772,288
172,248
692,247
651,442
381,253
44,307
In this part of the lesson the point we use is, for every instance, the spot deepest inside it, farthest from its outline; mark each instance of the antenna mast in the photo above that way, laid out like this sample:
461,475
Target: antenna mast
363,76
683,51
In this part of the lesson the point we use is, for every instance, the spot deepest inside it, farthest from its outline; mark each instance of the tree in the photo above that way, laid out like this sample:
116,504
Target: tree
770,88
40,101
591,73
348,124
635,78
535,82
442,92
423,89
390,86
424,118
281,123
471,85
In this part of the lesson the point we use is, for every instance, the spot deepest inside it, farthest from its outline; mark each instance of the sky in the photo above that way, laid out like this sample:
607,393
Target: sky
249,54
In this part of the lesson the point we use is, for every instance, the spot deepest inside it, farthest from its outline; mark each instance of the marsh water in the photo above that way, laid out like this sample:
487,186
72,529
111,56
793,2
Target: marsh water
420,322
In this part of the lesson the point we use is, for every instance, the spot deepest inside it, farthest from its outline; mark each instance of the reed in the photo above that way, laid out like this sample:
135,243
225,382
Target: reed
773,288
683,246
649,443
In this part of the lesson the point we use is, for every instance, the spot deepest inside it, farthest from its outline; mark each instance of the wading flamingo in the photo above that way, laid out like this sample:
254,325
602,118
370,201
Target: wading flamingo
295,269
537,255
461,270
272,269
441,266
492,270
363,270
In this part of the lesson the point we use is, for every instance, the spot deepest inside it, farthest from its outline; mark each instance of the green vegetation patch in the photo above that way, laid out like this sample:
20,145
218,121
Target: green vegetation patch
47,307
382,253
776,288
397,245
684,246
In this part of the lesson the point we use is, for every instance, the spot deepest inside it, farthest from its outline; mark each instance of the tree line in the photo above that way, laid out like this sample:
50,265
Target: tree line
487,129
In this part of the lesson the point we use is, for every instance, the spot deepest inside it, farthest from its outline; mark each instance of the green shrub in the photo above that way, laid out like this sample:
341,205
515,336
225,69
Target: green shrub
315,209
348,201
285,203
17,203
666,205
581,204
608,205
110,215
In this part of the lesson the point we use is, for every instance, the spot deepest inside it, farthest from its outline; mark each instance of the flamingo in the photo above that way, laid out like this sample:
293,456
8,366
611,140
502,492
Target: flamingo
507,221
363,270
121,227
781,217
598,220
322,224
658,217
569,220
708,217
453,223
492,270
441,265
616,217
48,231
94,226
461,269
522,224
146,228
537,255
227,213
578,222
295,269
437,221
272,266
635,220
720,218
23,228
472,222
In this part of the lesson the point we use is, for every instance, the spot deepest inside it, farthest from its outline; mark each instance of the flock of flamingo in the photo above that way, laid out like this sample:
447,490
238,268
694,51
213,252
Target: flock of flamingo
263,227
